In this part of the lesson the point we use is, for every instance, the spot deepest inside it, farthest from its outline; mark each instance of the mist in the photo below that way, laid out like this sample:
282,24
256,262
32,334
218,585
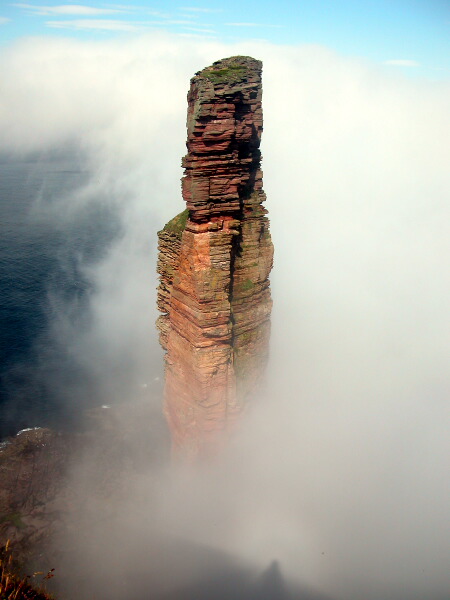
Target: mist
340,470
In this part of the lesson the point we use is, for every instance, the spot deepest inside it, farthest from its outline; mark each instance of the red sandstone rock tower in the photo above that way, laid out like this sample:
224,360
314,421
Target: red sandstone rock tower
214,262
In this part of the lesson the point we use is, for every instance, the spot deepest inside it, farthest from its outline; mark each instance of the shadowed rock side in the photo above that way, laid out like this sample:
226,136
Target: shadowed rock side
214,261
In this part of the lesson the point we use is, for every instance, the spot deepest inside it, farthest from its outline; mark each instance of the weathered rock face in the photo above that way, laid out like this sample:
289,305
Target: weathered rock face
214,261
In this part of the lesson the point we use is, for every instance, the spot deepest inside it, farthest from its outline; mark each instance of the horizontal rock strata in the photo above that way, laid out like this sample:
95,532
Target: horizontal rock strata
214,261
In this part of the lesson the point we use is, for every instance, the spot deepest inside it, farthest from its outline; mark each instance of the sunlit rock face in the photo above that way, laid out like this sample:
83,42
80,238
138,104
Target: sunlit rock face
214,262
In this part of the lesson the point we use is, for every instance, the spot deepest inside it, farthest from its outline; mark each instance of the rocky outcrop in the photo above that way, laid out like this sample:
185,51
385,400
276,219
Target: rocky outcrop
214,261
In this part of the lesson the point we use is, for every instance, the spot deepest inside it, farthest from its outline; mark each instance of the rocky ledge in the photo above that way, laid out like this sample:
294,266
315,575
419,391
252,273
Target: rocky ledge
214,262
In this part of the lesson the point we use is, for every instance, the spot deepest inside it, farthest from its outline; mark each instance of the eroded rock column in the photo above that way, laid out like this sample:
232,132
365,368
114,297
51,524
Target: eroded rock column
214,262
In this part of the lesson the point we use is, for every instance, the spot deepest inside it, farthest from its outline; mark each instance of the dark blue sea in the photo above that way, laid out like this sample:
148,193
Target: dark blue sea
39,271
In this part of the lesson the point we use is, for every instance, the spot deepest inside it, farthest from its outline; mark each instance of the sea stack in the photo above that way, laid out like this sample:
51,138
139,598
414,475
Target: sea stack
214,263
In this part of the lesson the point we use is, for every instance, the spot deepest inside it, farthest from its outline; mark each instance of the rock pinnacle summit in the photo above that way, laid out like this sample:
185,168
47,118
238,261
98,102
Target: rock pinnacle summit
214,262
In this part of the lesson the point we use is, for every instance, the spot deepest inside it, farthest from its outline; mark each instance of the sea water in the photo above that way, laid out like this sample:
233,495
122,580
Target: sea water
40,274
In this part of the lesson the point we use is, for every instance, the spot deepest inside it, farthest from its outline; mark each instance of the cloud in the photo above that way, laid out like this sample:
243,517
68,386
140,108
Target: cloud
183,22
398,62
250,25
4,20
198,36
200,29
121,25
157,13
68,9
340,471
196,9
96,24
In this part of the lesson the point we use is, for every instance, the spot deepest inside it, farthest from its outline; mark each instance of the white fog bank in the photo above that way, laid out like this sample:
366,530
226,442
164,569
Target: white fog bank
340,473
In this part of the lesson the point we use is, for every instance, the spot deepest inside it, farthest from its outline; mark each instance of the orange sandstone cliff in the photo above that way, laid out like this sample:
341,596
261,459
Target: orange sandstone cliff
214,262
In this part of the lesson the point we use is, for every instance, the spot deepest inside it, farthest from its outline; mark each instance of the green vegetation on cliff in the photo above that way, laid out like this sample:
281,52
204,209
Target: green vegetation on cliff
244,286
13,518
230,70
232,73
177,225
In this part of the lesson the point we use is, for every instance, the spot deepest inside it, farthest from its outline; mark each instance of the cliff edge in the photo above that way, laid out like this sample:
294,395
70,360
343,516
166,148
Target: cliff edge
214,262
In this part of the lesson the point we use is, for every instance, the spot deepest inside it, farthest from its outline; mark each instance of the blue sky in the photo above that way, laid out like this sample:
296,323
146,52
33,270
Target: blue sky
411,35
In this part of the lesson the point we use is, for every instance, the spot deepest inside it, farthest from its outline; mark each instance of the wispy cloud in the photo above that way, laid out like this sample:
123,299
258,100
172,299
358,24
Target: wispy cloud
96,24
180,22
400,62
158,13
196,36
68,9
200,29
191,25
118,25
4,20
197,9
251,25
